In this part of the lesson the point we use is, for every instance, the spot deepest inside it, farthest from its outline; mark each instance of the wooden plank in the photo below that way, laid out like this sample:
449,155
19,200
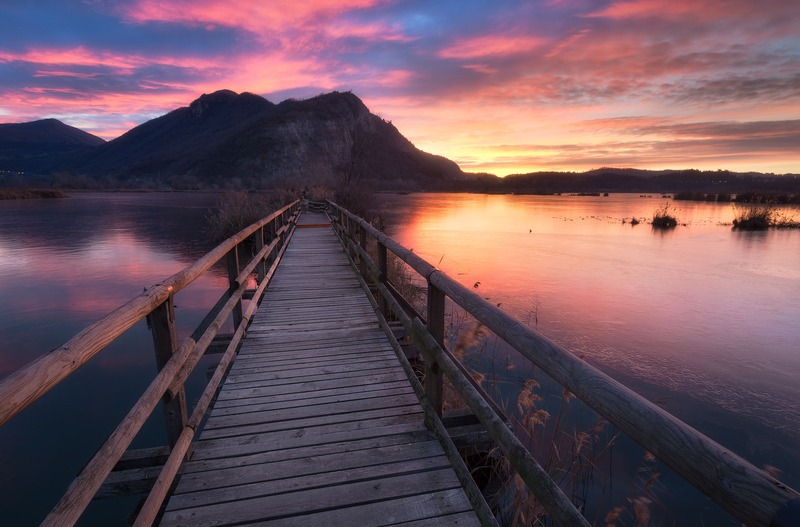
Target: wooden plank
305,386
443,504
297,452
277,506
268,373
305,466
334,433
333,355
274,483
307,416
267,404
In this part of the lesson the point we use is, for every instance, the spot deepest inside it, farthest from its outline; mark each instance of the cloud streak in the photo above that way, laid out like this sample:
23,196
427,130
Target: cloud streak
575,80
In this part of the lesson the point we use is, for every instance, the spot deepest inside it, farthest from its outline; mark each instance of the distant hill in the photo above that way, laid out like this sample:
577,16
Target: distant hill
39,145
655,181
47,131
225,138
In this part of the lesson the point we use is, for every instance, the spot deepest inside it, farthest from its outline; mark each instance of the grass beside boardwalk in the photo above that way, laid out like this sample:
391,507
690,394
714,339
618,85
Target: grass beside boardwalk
25,193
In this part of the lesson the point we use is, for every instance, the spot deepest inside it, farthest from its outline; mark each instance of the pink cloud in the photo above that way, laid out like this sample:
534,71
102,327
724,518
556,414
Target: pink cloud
645,9
372,32
491,45
252,16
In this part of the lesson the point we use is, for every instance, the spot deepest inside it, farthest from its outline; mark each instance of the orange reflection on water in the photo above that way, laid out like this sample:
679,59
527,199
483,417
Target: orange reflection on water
689,308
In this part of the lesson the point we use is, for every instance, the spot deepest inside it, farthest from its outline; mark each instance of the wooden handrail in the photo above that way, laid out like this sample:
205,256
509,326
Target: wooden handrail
166,477
29,383
23,387
747,492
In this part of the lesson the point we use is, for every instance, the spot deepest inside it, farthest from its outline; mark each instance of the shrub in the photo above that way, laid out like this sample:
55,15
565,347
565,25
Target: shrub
762,215
754,218
663,217
236,210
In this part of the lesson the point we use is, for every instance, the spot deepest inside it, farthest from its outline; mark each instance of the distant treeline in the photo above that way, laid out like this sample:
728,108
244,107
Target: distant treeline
775,198
718,182
719,185
28,193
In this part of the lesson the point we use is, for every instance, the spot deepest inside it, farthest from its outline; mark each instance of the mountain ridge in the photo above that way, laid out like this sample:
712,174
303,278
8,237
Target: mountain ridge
226,139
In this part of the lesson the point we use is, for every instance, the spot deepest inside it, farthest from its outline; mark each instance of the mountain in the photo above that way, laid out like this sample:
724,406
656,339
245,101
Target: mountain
227,138
39,145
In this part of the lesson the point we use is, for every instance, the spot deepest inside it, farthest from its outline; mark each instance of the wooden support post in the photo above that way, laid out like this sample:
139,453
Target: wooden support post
362,262
162,327
262,266
383,266
280,223
434,381
233,274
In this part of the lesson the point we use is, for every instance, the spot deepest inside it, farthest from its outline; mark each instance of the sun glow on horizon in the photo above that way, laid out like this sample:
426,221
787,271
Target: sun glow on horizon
551,86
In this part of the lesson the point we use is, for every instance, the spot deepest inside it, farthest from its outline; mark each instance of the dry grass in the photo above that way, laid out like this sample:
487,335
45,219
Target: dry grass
238,209
762,216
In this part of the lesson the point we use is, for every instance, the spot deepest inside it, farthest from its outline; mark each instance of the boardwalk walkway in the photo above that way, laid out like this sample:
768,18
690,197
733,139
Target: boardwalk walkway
317,423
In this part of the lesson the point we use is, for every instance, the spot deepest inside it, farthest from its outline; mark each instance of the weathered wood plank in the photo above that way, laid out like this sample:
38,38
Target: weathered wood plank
268,373
307,416
444,504
268,404
295,452
304,386
333,433
233,491
304,466
277,506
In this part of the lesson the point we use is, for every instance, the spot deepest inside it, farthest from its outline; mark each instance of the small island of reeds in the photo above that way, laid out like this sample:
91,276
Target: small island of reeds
761,217
663,217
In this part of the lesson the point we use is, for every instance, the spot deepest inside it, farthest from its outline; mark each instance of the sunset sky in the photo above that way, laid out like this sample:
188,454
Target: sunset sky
496,85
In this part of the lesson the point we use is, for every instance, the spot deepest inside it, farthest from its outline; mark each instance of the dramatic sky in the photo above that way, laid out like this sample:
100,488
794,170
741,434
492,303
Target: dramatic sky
496,85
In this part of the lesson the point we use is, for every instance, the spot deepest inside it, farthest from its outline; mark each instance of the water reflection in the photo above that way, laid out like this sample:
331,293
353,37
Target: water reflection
63,265
705,318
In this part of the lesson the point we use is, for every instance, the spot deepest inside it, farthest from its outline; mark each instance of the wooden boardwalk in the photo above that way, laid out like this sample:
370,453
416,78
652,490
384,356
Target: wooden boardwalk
317,423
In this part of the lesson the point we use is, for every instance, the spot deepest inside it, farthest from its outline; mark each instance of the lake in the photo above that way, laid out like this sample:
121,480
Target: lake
701,319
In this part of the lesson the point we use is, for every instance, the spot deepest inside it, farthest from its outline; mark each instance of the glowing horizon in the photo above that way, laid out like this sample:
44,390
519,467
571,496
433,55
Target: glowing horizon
501,87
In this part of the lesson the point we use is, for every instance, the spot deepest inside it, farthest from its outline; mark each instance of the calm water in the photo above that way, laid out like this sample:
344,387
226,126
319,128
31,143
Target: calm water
700,319
63,265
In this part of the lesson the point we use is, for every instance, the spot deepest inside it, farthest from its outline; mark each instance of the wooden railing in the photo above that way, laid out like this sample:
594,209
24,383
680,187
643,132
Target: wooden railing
748,493
175,361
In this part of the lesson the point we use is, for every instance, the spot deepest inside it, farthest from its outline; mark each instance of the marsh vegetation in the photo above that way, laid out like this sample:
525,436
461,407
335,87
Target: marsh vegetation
664,217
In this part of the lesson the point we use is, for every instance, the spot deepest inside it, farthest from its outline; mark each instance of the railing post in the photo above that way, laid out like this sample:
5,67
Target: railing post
262,265
383,277
434,380
162,327
233,273
362,262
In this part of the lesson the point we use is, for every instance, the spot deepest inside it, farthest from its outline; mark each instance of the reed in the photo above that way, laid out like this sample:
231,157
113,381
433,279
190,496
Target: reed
569,440
663,217
762,216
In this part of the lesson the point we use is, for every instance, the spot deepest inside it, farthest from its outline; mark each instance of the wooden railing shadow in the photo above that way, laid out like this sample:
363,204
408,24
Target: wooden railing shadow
745,491
175,360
